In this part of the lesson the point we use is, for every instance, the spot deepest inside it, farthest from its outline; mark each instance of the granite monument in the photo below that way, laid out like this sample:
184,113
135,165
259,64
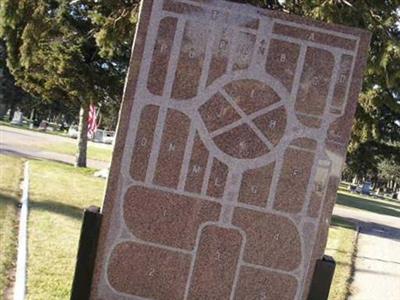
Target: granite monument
232,135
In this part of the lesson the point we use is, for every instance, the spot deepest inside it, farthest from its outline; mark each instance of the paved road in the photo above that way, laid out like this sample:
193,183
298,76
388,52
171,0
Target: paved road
366,217
27,143
377,264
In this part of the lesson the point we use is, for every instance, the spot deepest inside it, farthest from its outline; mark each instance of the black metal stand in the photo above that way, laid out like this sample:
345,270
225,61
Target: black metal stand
82,282
322,278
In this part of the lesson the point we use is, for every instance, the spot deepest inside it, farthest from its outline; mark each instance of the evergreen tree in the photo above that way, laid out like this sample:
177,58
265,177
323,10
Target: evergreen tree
375,132
52,53
90,37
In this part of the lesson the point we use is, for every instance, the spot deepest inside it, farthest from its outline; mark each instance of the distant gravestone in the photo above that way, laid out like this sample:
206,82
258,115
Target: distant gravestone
18,117
231,140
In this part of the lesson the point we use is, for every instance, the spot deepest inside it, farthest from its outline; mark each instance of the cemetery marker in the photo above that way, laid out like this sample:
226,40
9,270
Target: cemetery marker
231,139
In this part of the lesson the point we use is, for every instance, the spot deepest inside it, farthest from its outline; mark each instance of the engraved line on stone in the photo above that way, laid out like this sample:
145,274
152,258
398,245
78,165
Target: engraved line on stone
239,263
264,210
329,98
255,12
341,107
232,50
318,29
172,190
225,199
207,58
157,245
246,119
331,49
263,38
173,62
350,79
302,149
191,18
195,251
308,115
207,174
155,151
155,148
279,160
138,106
186,158
250,117
311,182
291,273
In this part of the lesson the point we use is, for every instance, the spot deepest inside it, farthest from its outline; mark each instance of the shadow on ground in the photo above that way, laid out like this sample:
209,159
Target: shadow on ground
48,205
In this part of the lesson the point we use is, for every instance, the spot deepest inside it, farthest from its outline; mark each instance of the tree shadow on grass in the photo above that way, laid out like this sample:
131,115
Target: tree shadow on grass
7,198
368,205
342,222
71,211
59,208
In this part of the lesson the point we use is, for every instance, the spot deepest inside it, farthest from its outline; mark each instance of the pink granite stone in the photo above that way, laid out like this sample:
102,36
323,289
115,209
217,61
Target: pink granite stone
215,264
135,269
232,134
166,218
172,149
262,284
271,241
255,186
197,166
292,185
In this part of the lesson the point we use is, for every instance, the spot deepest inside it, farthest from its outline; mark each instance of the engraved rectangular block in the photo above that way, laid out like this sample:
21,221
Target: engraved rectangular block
282,61
217,180
255,185
315,36
231,139
293,181
134,269
144,140
190,63
161,55
166,218
261,284
197,166
216,263
314,82
172,149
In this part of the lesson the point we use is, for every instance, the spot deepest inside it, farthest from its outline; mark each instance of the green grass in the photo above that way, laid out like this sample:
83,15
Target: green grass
366,203
58,194
26,127
10,176
94,152
341,246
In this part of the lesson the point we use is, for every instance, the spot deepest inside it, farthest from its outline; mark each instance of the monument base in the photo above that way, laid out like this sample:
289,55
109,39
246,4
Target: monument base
320,286
84,268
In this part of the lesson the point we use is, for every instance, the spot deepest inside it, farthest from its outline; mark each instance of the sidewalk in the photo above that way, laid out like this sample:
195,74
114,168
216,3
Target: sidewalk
377,266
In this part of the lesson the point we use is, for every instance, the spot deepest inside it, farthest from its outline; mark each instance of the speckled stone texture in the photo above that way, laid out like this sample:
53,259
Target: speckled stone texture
232,135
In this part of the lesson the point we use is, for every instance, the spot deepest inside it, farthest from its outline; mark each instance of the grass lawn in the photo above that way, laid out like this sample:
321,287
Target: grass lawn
26,127
366,203
94,152
11,169
341,246
58,194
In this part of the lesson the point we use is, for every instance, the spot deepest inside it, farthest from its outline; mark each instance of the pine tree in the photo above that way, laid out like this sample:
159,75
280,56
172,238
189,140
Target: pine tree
52,53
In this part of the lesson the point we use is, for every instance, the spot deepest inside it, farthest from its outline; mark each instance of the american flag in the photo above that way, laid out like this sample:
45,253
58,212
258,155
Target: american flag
92,125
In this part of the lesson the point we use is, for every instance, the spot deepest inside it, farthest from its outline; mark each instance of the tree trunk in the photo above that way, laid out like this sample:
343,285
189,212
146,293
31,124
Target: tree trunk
12,111
82,136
